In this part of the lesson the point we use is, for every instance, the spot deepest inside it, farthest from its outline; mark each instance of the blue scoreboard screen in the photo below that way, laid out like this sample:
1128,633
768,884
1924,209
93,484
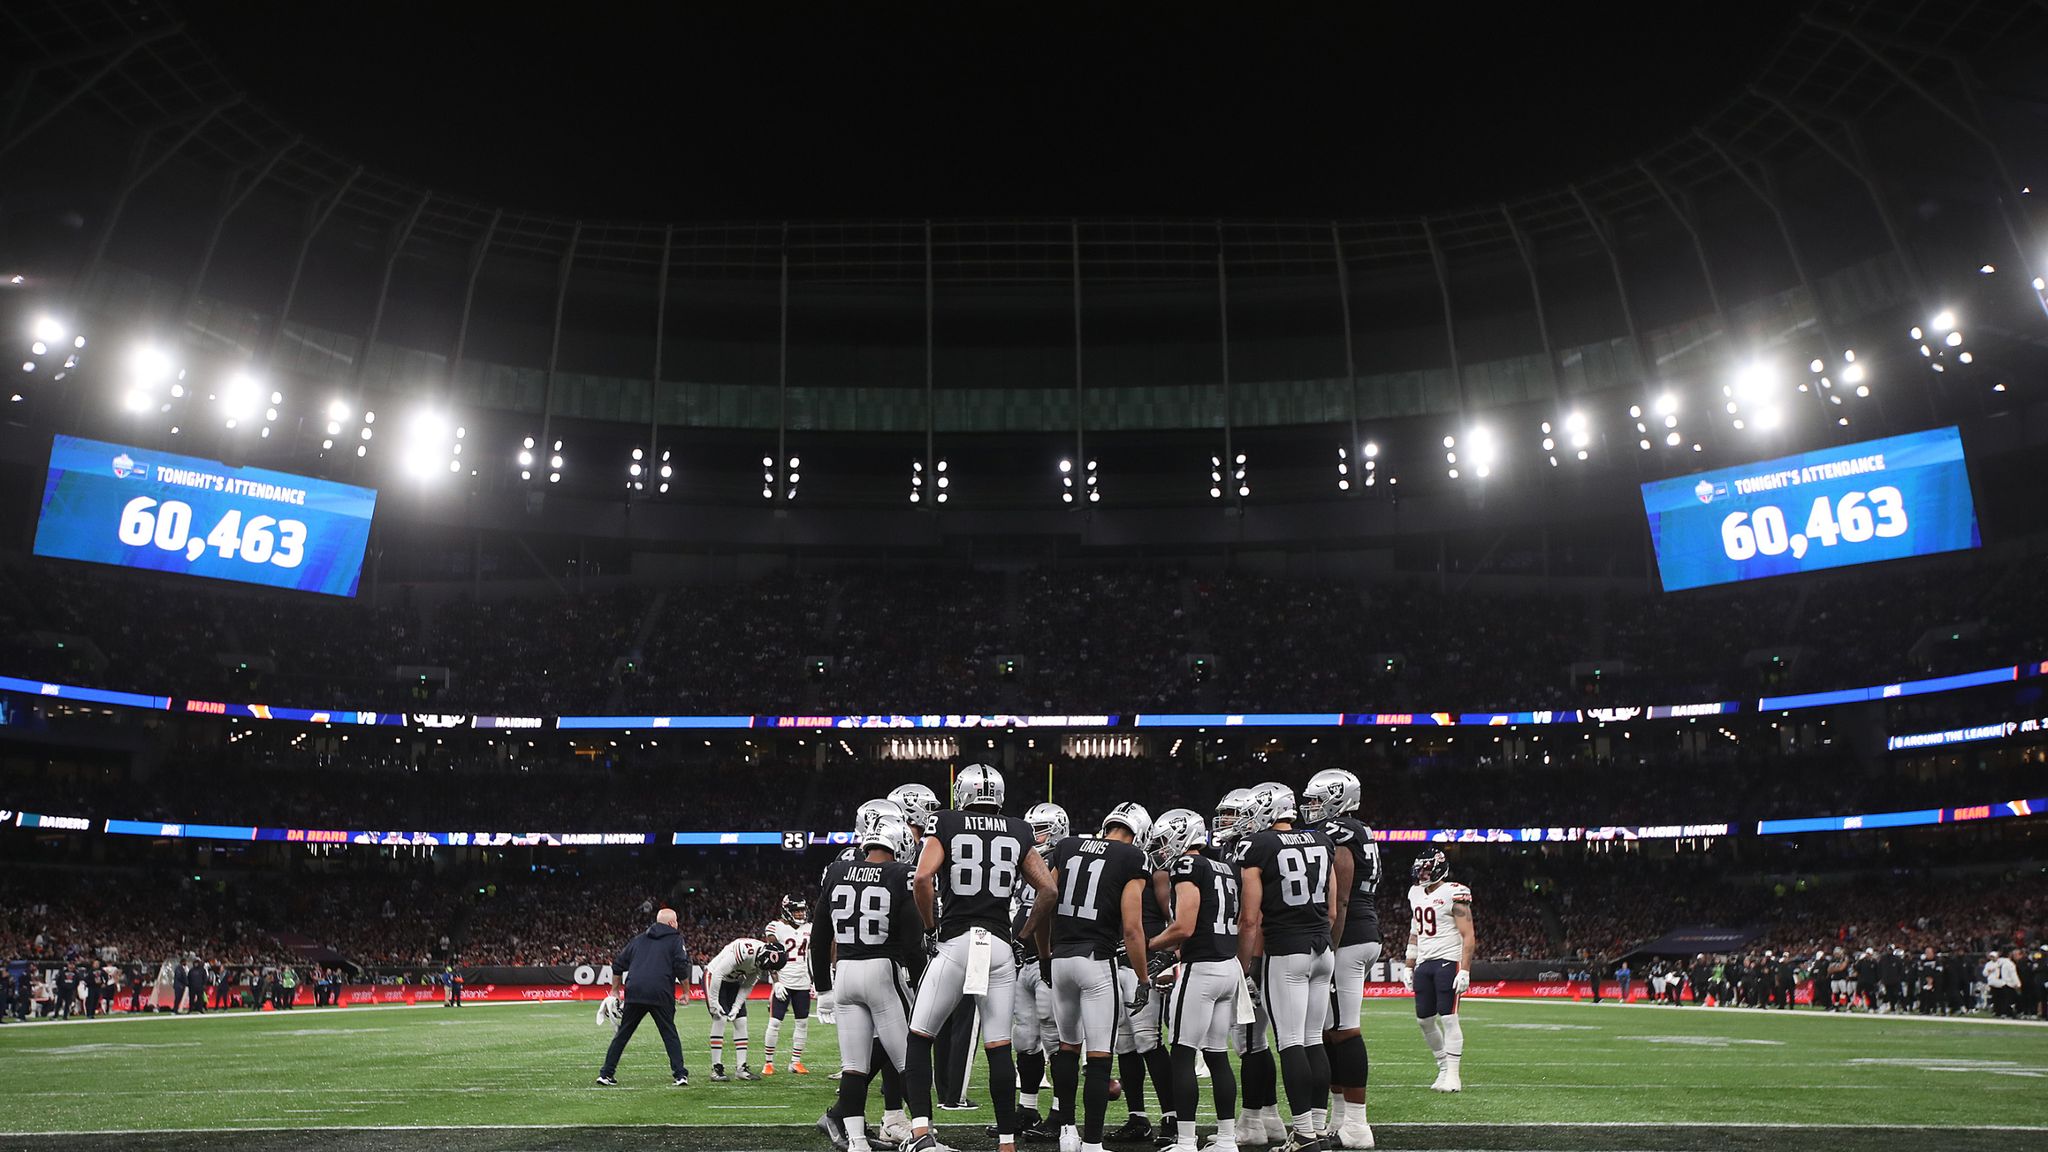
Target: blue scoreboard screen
138,508
1878,500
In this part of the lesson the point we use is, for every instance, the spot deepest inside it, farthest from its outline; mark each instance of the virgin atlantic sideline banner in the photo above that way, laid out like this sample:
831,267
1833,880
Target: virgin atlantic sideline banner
354,994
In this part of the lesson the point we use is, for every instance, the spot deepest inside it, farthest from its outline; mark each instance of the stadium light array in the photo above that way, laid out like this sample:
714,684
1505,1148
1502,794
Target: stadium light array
943,483
48,338
1092,483
1753,396
1941,341
794,476
767,477
1481,452
636,472
1215,477
666,472
917,481
555,464
1572,435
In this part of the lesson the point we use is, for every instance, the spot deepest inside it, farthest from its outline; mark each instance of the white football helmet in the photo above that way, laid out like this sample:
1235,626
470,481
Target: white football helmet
1331,793
888,832
978,786
1176,831
1050,825
1131,816
918,803
1232,813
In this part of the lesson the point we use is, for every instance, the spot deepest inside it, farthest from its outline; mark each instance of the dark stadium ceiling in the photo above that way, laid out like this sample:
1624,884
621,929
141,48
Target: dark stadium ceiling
1408,126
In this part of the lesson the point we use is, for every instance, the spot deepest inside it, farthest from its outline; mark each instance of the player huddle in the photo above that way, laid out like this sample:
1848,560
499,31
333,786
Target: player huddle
1177,938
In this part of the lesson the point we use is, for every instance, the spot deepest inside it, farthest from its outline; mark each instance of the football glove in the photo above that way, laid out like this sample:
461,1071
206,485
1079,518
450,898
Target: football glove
1140,996
1251,987
1408,979
778,991
1462,982
931,945
1160,969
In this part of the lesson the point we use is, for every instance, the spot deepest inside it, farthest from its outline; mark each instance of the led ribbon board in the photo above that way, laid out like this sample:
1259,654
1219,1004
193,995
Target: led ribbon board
1854,504
136,508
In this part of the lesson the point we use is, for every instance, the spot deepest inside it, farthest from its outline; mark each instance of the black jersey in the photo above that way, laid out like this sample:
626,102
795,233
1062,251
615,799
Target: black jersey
1215,934
1294,878
982,868
1020,911
866,910
1361,908
1155,916
1089,877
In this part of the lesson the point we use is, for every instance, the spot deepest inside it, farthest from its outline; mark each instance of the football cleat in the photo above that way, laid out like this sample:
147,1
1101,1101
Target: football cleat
1138,1127
1070,1138
1046,1131
747,1073
607,1082
768,1069
682,1081
895,1132
1355,1135
718,1075
834,1131
1452,1083
1276,1132
1219,1144
796,1068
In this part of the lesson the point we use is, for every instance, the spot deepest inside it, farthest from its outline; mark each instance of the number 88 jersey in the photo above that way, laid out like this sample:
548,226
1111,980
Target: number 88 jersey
1294,884
982,868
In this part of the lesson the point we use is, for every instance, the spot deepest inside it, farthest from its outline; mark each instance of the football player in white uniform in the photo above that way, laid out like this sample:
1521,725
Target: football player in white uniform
727,982
1440,947
792,986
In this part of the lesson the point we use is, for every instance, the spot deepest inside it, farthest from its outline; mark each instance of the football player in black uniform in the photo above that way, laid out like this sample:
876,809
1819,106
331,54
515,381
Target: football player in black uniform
976,857
868,931
1258,1081
1103,882
1202,1008
1328,802
1033,1031
1289,914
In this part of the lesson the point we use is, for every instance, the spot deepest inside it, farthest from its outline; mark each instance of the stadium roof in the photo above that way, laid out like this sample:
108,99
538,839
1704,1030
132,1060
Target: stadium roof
139,66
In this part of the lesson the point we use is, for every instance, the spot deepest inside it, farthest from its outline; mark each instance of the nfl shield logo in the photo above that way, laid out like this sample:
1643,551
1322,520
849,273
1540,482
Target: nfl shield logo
1705,491
124,467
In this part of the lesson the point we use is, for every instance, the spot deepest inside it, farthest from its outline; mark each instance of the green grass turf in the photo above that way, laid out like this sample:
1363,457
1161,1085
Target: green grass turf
1652,1078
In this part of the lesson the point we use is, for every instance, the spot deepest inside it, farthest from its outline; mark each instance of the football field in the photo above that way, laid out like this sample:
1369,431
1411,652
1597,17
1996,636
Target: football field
1539,1076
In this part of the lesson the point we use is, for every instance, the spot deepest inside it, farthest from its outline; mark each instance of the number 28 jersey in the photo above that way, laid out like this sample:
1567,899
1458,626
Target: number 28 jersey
982,868
1430,923
867,912
1294,884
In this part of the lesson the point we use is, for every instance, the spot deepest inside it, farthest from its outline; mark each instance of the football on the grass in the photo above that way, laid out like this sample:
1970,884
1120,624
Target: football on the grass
1116,1088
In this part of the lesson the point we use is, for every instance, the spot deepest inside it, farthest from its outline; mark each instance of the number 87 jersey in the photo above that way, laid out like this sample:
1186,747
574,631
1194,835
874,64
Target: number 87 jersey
983,868
1294,887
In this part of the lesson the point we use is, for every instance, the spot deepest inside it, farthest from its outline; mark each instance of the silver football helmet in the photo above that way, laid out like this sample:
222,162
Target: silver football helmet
1272,801
865,816
887,831
1232,812
1331,793
1176,831
978,786
1131,816
918,804
1049,824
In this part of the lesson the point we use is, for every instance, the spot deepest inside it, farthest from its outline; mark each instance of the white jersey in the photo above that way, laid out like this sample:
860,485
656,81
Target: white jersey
796,944
1431,931
738,961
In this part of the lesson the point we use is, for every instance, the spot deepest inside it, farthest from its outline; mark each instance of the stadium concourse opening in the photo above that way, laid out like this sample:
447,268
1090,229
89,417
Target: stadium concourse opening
929,578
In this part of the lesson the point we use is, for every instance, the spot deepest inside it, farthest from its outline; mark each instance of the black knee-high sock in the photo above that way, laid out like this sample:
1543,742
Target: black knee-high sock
1223,1082
1030,1073
1066,1077
1002,1088
1296,1078
853,1095
1184,1083
1261,1086
892,1080
1159,1064
917,1076
1318,1076
1130,1068
1094,1100
1349,1065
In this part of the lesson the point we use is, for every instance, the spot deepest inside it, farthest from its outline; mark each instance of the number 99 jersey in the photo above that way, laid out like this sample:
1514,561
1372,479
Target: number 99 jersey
1294,880
1430,925
982,868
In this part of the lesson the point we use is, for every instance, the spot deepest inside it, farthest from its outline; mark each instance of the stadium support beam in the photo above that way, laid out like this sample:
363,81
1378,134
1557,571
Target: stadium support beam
668,240
1528,253
547,393
1229,468
930,440
139,172
10,138
1443,286
782,368
1857,161
1605,234
1350,360
1681,207
1766,190
1971,124
477,252
317,214
233,195
394,244
1080,406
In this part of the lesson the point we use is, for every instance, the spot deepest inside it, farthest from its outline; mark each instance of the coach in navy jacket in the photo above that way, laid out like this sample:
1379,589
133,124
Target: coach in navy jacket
647,970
